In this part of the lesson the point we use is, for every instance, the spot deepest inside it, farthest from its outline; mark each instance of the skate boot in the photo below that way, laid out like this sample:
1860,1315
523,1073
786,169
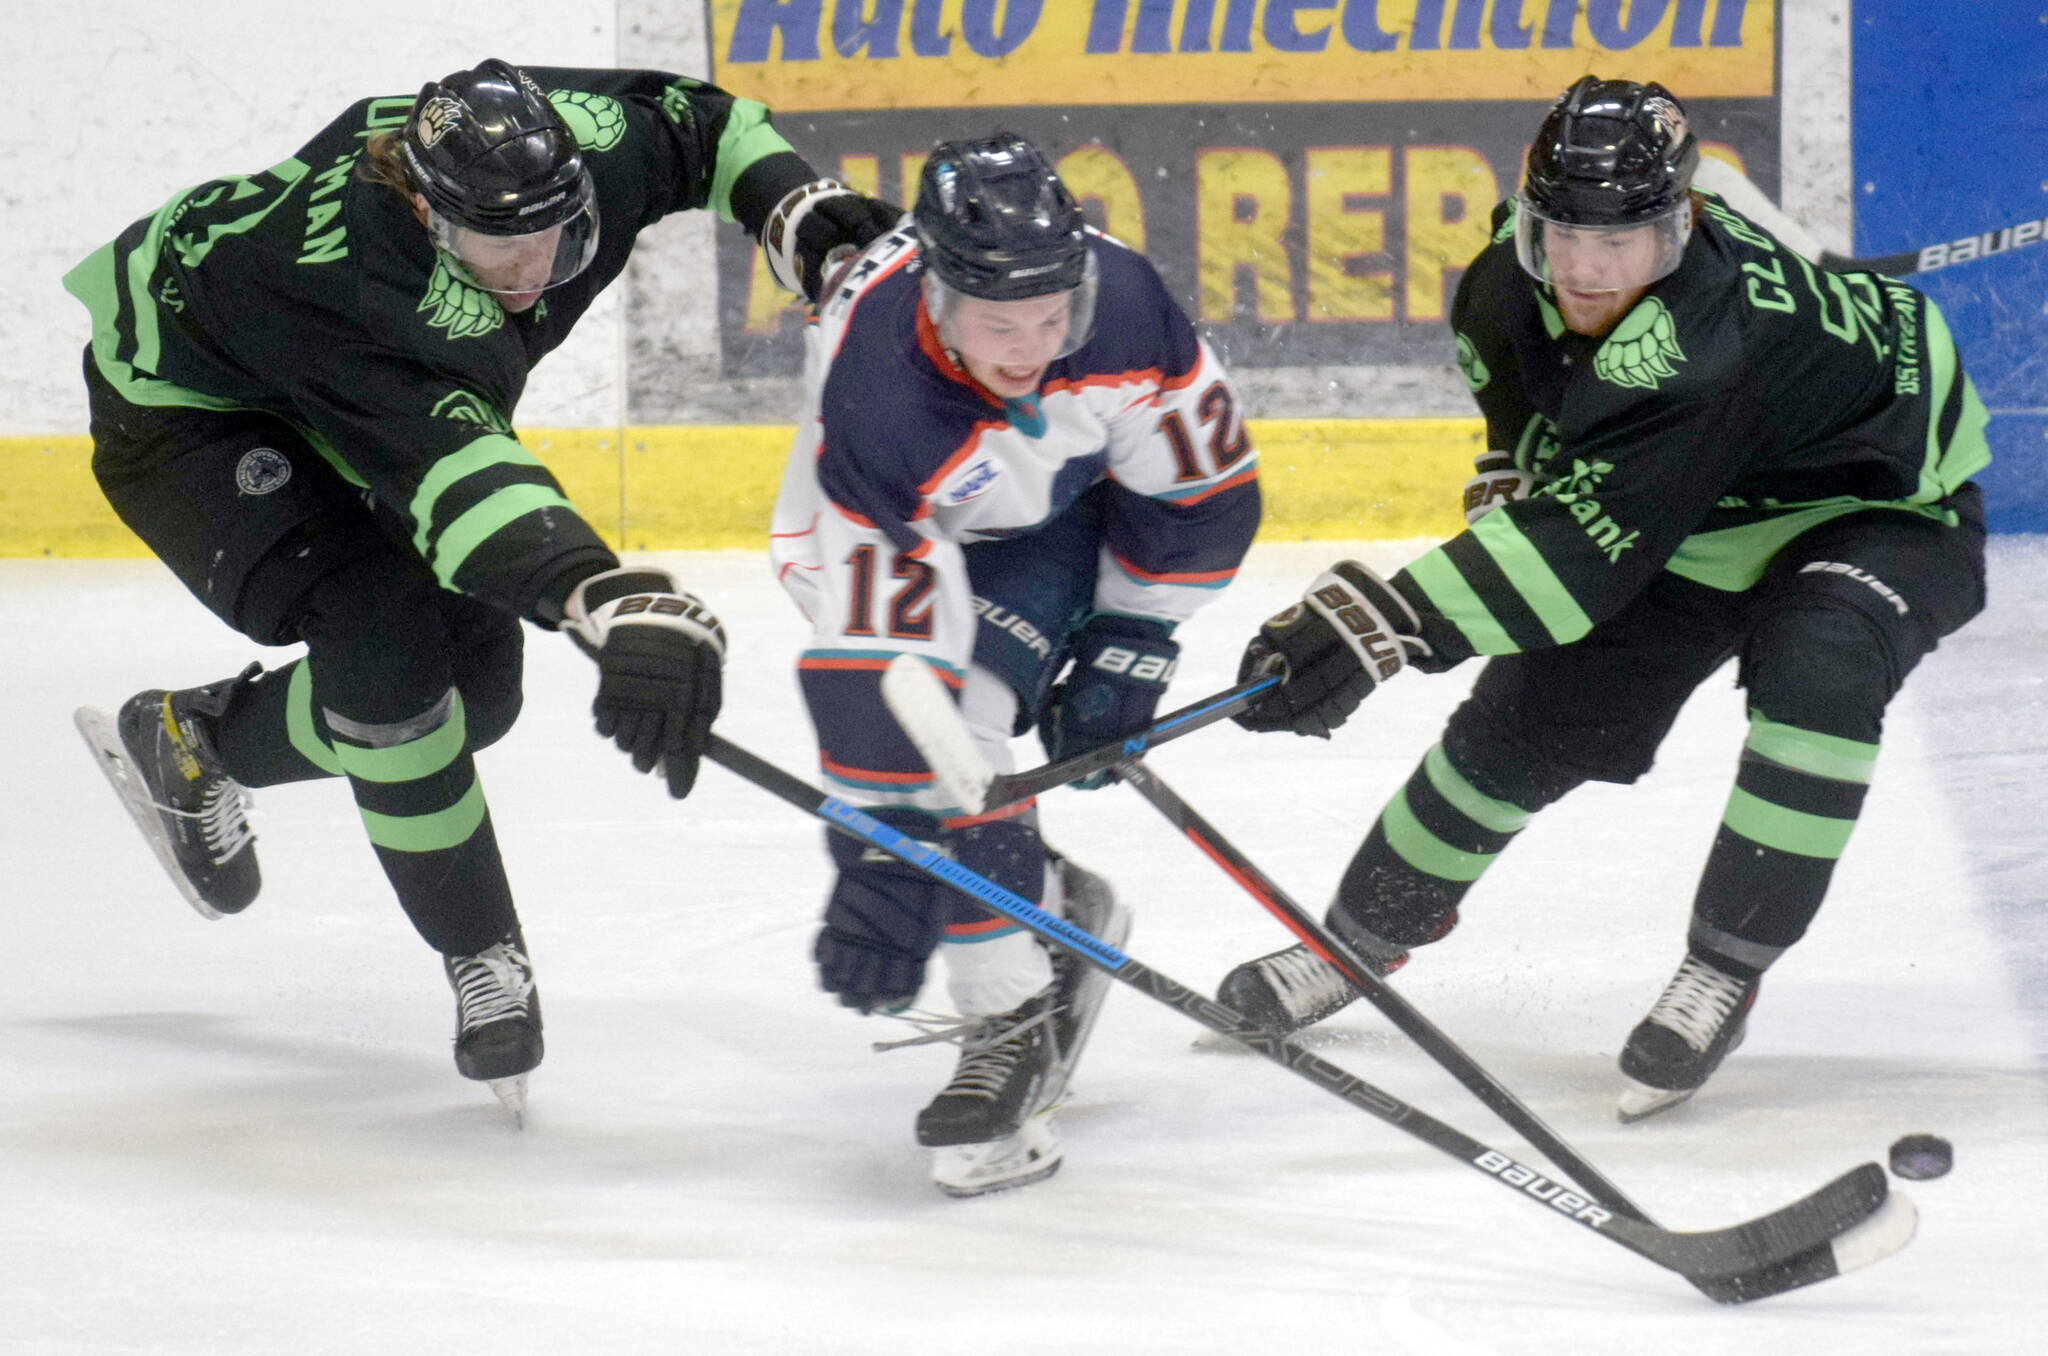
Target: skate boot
497,1019
160,756
1291,989
1702,1015
1078,987
992,1128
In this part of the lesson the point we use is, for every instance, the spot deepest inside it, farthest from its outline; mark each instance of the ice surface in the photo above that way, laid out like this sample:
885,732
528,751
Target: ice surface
248,1136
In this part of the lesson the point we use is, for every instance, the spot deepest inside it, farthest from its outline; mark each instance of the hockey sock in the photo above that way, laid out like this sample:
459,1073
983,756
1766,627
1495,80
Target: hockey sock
992,965
417,789
1796,797
1432,841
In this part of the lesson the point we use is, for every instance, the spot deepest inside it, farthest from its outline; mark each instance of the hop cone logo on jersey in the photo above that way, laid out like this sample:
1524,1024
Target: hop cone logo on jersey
596,121
1643,348
464,311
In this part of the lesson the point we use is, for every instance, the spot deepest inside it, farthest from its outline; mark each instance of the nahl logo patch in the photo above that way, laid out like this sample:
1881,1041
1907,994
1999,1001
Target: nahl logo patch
975,483
262,470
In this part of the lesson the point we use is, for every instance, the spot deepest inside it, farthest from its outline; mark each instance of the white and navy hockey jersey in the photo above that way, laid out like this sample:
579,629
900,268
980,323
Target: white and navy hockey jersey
902,457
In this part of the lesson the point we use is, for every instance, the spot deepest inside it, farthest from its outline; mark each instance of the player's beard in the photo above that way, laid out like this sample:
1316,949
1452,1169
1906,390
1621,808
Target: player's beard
1595,313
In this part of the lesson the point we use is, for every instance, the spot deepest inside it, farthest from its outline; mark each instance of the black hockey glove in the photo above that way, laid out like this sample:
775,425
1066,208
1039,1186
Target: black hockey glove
1499,481
658,653
882,922
1350,632
1121,668
818,226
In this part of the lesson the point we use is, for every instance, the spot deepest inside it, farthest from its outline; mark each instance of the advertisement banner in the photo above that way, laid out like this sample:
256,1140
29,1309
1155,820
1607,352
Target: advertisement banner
1953,165
1309,176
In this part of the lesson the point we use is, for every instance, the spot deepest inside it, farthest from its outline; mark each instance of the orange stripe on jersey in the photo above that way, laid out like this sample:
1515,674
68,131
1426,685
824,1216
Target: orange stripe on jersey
1170,577
977,929
1241,478
1001,812
850,662
952,463
862,774
1145,376
871,663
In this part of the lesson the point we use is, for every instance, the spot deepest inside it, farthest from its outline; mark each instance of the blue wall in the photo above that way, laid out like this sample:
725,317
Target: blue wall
1951,139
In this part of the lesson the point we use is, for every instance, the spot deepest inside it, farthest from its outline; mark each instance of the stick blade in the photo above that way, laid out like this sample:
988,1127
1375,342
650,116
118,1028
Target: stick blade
1886,1230
925,710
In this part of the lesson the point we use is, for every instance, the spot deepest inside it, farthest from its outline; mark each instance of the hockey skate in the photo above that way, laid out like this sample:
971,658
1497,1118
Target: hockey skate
497,1019
1296,988
991,1127
1702,1015
159,756
995,1125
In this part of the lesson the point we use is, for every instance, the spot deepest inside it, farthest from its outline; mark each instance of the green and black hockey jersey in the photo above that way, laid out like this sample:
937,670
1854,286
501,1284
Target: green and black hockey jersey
1746,398
313,294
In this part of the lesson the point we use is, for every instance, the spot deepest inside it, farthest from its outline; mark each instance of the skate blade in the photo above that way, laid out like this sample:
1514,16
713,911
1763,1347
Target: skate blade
1033,1154
1639,1100
104,739
511,1094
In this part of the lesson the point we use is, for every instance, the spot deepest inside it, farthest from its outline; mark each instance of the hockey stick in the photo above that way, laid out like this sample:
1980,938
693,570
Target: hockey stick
981,789
1361,976
1850,1222
1946,252
1724,180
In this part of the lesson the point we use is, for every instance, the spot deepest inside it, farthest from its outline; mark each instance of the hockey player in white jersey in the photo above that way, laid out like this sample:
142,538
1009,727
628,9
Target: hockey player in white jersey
1016,457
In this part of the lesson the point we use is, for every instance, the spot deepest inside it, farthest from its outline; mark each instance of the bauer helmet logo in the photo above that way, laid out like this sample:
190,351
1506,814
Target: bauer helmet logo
437,116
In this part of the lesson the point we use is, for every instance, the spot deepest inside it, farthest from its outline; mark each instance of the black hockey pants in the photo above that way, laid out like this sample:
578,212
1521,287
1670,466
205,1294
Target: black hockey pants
1824,641
402,680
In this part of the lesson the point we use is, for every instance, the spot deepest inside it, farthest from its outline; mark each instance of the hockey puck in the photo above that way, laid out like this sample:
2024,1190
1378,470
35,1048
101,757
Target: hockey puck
1919,1157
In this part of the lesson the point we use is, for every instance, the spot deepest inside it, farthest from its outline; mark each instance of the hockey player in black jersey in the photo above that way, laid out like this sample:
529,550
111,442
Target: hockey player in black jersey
1704,447
302,385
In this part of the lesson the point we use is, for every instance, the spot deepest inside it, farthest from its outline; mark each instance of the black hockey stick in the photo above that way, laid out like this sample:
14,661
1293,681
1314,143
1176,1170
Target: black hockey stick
1362,977
981,789
1850,1222
1434,1042
1943,253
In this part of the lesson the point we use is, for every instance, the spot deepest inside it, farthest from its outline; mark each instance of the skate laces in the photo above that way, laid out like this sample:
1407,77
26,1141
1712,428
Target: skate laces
223,819
490,986
1303,980
1697,1003
990,1047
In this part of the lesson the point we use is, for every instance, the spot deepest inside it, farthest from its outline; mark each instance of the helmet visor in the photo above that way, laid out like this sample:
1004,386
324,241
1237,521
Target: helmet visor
1015,332
520,265
1582,258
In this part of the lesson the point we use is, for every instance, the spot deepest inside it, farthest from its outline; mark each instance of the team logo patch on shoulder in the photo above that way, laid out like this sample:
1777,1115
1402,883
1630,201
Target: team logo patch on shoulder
597,121
974,483
262,470
1643,349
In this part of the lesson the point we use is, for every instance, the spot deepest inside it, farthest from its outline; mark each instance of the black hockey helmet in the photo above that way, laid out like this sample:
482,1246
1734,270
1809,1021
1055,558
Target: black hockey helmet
994,220
493,158
1612,156
1611,153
